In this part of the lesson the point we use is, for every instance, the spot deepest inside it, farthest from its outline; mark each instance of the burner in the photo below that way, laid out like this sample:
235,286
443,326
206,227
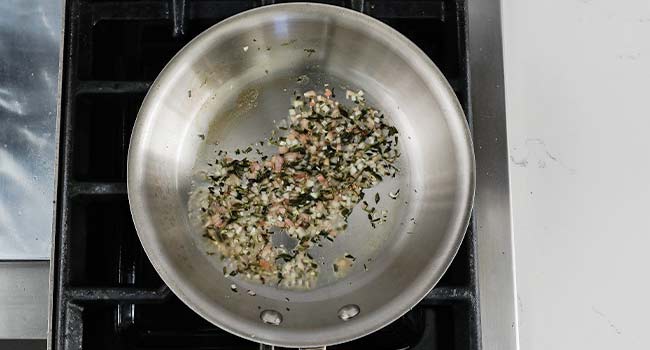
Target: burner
106,293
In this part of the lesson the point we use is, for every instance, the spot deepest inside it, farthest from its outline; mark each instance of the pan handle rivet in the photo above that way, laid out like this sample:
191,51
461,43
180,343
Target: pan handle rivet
271,317
348,312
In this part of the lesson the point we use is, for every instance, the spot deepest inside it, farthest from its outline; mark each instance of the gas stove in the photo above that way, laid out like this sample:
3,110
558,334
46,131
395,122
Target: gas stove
105,292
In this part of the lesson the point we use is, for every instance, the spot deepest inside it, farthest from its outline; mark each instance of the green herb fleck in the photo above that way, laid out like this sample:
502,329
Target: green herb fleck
309,51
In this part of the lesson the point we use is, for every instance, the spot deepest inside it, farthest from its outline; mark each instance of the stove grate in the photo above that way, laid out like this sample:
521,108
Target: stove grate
106,294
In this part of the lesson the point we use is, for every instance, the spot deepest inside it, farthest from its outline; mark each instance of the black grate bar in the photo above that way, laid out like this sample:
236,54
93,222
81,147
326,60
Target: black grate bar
73,338
358,5
447,294
118,294
132,10
113,87
404,9
61,321
179,10
220,9
97,188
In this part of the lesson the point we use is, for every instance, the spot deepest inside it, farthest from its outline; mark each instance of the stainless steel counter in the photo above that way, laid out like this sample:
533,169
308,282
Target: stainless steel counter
23,299
30,41
492,210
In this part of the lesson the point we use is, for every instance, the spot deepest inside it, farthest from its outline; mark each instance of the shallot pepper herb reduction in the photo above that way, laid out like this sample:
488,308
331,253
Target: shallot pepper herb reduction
325,160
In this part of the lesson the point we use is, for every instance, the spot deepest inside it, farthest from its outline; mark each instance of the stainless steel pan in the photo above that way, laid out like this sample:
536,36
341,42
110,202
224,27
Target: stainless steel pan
228,86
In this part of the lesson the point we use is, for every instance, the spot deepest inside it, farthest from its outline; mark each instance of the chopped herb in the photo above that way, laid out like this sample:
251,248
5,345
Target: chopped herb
307,188
377,176
309,52
285,257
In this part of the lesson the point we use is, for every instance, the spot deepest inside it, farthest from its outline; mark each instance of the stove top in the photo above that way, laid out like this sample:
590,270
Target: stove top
106,294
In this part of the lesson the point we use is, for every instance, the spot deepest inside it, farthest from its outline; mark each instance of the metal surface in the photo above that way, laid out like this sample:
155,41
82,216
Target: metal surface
23,344
492,207
223,86
23,298
30,41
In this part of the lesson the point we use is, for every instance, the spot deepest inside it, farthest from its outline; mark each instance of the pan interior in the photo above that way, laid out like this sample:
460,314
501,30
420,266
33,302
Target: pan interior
247,114
224,91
